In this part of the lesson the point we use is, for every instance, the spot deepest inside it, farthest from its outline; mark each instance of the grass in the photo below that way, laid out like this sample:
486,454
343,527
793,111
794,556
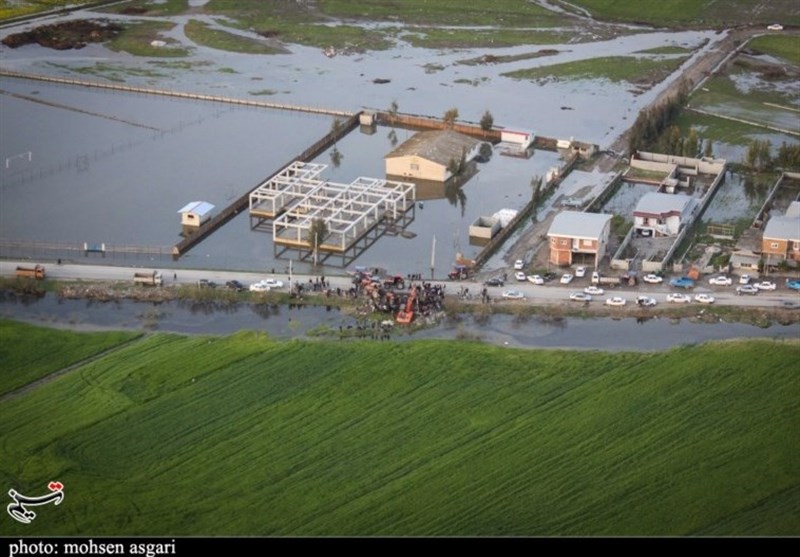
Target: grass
161,8
29,353
454,37
135,39
693,13
780,46
176,435
613,68
204,35
10,9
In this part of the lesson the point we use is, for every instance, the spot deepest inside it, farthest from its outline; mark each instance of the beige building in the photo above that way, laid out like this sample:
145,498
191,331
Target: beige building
781,239
578,238
428,155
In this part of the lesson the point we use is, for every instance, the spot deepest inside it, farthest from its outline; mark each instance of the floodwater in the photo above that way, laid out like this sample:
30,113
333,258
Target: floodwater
285,322
96,166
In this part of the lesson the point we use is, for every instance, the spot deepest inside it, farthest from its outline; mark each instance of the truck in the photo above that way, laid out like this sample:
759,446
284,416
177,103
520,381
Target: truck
36,272
597,278
152,278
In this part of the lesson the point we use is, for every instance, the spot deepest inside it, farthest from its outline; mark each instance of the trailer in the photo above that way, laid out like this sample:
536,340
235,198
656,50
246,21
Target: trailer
148,279
597,278
36,272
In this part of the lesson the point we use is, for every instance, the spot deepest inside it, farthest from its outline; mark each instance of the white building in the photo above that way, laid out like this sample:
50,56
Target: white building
662,214
195,213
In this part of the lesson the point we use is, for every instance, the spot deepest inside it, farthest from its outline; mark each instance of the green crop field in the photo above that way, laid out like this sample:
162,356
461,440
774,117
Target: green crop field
243,435
28,353
691,12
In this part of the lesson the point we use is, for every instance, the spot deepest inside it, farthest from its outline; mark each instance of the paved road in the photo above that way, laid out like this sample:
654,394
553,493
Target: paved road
549,293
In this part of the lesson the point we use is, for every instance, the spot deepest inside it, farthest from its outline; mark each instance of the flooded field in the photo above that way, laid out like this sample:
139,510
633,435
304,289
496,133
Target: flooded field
297,321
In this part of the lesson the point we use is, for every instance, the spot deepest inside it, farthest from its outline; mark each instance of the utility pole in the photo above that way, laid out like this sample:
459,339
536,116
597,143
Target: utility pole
433,255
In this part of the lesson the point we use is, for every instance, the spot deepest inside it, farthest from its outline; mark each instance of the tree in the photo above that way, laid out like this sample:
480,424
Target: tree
485,152
536,189
709,150
487,122
691,146
317,232
336,129
450,117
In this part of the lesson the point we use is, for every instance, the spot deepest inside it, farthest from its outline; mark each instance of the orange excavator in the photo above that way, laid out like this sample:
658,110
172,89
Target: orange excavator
405,316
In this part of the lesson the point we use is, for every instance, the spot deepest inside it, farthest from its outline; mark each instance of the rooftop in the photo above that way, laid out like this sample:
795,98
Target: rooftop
655,203
783,228
579,225
440,146
200,208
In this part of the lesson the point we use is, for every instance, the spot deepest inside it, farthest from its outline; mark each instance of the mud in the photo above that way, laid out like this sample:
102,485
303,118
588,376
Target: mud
67,35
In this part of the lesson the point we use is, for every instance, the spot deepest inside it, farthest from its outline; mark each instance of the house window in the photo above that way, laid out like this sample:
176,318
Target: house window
586,243
773,245
414,166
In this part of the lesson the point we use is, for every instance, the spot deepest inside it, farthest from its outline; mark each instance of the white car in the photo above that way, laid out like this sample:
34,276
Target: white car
520,276
535,279
744,279
513,295
720,281
593,291
566,278
678,298
653,279
580,272
704,298
615,301
580,297
646,301
519,264
765,285
273,283
259,287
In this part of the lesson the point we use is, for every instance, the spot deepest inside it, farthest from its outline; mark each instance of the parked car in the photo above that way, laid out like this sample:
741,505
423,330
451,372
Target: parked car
234,285
259,287
513,295
746,289
646,301
615,301
744,279
682,282
275,283
766,285
549,276
566,278
519,264
580,297
593,291
704,298
653,279
580,272
678,298
720,281
205,283
536,279
793,284
520,276
496,281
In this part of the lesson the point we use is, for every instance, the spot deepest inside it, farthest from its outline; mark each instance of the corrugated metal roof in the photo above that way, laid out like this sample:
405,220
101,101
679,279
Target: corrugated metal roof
439,146
655,203
199,208
579,225
783,228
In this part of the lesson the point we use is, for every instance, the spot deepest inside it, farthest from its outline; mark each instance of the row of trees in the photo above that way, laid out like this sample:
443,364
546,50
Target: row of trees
652,122
759,156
